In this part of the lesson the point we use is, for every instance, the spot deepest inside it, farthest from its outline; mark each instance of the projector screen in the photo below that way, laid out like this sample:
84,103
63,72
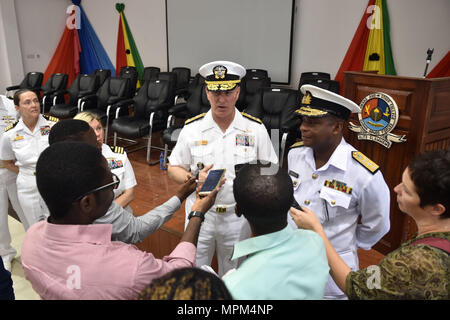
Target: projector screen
253,33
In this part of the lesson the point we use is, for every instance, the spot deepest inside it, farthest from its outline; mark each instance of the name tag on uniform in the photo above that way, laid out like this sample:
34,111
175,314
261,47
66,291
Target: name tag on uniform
114,164
245,140
295,181
201,143
45,130
17,138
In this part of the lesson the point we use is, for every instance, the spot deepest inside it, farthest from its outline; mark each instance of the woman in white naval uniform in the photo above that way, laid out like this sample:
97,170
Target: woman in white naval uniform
117,159
20,147
8,188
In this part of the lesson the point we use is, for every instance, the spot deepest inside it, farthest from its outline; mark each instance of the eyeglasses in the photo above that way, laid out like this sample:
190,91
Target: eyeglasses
115,184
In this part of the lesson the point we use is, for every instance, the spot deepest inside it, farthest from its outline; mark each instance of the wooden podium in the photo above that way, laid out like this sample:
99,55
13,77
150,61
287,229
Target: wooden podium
424,119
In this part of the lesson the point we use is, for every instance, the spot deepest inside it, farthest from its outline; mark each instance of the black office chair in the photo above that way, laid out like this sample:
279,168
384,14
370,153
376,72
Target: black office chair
196,104
250,88
150,114
183,78
102,75
32,81
83,85
258,73
55,83
131,74
307,77
150,73
330,85
104,102
171,77
275,108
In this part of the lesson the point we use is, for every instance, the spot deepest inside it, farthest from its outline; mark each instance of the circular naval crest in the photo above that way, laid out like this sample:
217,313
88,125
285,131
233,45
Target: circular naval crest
379,113
378,117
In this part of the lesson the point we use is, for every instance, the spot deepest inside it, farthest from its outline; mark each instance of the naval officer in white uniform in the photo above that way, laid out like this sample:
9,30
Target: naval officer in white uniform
20,147
337,182
223,137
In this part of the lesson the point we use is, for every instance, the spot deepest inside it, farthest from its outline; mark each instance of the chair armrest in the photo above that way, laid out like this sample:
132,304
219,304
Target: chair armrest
290,125
12,88
160,107
124,103
177,109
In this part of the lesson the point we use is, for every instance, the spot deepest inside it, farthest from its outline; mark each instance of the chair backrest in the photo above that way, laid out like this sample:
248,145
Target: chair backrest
251,87
259,73
275,107
330,85
112,88
198,101
57,81
183,77
150,73
82,84
32,80
307,77
102,75
171,77
152,93
131,74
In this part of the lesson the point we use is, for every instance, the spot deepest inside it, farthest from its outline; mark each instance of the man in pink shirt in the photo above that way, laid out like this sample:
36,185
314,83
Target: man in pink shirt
68,257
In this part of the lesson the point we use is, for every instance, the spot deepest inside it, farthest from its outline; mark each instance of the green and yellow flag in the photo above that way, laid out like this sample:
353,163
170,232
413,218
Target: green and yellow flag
127,54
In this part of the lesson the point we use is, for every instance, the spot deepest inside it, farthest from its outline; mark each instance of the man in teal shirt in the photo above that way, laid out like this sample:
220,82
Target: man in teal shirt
282,263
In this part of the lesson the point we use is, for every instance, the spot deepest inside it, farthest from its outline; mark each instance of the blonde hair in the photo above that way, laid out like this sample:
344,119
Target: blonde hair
88,117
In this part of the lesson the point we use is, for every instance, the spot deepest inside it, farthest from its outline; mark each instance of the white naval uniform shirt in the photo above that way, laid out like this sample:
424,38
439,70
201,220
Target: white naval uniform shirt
120,165
203,141
25,146
338,211
8,115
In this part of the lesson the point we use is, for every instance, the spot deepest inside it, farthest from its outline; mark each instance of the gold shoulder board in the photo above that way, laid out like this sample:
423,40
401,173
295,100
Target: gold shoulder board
296,145
50,118
117,149
251,117
197,117
12,125
365,162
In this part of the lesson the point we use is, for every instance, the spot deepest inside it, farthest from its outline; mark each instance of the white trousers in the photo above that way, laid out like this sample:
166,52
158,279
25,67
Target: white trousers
218,233
8,190
30,200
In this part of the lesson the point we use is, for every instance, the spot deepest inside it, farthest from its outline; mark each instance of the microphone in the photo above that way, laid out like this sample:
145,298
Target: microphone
200,166
429,54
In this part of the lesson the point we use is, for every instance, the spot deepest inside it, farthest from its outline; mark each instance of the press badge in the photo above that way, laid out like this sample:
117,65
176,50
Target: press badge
245,140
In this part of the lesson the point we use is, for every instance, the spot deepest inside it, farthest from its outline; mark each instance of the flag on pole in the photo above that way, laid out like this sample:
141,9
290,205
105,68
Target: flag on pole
127,54
370,49
442,69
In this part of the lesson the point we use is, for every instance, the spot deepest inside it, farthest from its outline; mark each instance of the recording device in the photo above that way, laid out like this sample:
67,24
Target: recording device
238,167
200,166
296,205
429,54
212,181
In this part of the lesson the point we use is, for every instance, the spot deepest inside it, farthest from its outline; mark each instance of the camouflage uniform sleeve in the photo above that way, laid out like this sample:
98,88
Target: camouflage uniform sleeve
410,272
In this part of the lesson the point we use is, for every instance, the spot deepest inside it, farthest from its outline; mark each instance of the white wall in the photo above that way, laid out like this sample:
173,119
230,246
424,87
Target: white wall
11,68
322,33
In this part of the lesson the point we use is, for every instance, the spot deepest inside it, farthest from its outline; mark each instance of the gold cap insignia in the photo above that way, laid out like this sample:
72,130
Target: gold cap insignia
220,72
306,98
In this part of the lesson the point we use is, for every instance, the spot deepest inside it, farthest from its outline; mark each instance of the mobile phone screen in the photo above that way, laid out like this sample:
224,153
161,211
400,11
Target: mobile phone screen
212,180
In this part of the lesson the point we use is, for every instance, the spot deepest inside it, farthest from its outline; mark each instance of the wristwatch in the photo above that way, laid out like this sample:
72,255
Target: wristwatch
196,214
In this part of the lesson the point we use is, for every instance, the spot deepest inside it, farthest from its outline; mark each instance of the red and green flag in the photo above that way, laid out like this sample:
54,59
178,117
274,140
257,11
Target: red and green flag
127,54
370,49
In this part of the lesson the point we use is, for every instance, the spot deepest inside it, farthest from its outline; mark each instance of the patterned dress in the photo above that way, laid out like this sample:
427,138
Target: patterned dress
410,272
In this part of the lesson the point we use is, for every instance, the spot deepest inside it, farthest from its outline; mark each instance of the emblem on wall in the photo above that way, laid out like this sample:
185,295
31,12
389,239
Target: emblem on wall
378,117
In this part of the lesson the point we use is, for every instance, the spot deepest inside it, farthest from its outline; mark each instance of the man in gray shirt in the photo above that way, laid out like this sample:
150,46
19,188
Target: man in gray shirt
126,227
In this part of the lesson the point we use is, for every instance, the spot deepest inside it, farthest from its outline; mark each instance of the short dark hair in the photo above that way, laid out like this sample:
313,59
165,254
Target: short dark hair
68,130
263,199
186,284
18,93
430,173
66,170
